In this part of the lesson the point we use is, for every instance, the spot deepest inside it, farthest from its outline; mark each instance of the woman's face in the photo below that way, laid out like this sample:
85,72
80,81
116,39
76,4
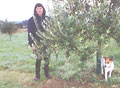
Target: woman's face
39,11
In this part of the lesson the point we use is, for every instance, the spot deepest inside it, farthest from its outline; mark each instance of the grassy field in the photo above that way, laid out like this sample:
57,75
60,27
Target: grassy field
17,67
15,60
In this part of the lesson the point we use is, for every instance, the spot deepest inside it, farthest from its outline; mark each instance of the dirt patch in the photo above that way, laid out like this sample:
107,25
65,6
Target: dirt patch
90,80
53,83
26,81
59,83
21,30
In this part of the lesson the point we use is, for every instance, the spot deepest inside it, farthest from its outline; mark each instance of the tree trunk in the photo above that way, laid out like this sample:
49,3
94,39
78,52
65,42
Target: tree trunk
98,59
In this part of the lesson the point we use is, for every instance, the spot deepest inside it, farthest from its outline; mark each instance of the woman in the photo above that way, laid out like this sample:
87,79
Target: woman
39,14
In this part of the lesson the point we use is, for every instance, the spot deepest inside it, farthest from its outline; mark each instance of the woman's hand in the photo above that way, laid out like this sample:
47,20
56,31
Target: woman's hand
33,47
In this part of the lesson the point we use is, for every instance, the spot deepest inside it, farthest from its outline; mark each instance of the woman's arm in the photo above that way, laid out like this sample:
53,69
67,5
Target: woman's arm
30,41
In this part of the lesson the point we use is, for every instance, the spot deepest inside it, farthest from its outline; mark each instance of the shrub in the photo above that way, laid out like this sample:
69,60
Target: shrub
8,28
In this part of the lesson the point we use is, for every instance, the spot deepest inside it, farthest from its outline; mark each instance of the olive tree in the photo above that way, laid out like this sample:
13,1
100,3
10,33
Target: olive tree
80,28
8,28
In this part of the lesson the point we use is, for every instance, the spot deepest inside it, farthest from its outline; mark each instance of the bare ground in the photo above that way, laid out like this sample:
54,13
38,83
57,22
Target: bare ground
26,80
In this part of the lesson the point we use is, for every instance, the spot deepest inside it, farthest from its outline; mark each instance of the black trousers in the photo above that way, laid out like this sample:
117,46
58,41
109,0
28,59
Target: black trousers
46,67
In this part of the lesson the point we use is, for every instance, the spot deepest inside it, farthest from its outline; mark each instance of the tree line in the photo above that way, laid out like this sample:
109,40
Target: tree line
11,27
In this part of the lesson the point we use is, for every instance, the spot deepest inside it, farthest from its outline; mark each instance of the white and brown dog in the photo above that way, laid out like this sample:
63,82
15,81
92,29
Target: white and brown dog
108,65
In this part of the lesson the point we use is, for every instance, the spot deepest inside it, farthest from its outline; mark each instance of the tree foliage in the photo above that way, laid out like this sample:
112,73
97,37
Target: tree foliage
80,28
8,28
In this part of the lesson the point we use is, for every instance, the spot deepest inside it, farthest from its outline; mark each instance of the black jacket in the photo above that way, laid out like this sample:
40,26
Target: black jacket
32,29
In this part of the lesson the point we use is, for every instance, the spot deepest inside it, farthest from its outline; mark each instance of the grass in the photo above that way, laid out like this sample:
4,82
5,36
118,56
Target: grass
15,57
15,53
17,65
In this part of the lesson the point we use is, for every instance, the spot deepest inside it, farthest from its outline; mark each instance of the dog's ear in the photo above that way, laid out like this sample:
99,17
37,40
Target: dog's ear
105,57
111,59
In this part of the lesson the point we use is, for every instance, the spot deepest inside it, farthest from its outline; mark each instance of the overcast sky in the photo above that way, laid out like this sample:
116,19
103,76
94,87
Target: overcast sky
18,10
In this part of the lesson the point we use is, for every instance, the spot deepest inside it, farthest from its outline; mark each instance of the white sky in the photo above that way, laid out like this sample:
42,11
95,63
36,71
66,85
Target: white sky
19,10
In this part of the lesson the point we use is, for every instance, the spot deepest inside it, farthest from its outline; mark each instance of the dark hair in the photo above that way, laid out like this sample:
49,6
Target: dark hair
39,5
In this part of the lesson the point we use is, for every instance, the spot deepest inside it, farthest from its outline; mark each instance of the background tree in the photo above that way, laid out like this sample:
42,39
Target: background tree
105,24
8,28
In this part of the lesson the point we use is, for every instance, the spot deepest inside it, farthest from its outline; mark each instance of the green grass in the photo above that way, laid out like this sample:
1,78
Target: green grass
17,64
15,53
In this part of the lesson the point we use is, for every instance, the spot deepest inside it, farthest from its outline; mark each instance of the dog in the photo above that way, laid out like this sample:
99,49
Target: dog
108,65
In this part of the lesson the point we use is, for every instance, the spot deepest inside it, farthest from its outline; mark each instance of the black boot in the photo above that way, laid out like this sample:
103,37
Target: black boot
46,70
46,67
38,64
